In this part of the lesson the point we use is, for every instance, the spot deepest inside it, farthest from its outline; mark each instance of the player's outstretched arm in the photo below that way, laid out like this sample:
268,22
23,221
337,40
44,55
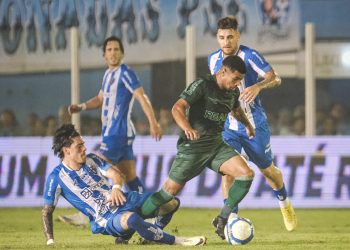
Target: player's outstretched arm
179,113
48,223
155,129
239,114
93,103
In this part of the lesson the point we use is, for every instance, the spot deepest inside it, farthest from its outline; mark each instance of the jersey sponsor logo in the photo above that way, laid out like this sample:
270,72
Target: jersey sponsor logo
214,116
86,193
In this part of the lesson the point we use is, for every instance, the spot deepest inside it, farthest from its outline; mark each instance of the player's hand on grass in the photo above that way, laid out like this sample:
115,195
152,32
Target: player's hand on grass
192,134
117,197
156,131
249,94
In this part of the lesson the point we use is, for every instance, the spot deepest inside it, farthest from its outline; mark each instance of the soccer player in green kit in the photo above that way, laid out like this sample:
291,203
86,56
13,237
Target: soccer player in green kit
201,112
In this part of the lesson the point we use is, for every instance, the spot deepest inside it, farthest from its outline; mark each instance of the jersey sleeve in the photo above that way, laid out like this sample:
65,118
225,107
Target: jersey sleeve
259,63
52,189
97,162
129,78
193,92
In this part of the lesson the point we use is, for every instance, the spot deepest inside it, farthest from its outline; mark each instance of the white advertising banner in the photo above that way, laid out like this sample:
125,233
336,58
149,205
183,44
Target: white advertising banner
316,172
35,36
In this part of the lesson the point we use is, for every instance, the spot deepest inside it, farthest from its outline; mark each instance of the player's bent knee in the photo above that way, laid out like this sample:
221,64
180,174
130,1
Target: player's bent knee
124,220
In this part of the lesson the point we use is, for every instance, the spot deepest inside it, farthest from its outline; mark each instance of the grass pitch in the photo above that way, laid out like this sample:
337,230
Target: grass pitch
317,229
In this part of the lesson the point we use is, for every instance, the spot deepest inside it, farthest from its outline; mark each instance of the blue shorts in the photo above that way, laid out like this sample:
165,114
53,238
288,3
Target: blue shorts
134,201
258,148
117,149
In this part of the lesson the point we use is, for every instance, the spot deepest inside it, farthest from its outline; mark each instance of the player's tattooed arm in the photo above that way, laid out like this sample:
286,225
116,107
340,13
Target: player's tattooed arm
271,79
48,223
239,114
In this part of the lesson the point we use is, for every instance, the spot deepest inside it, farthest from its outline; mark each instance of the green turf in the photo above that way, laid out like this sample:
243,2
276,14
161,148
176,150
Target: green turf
318,229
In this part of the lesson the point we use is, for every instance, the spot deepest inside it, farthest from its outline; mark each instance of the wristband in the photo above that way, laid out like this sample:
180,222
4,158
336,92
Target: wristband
49,242
116,186
82,106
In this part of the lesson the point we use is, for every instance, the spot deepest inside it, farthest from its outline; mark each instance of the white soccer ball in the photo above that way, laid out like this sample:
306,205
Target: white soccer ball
239,231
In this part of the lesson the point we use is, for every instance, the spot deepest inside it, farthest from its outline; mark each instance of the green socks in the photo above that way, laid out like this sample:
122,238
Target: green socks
236,193
152,203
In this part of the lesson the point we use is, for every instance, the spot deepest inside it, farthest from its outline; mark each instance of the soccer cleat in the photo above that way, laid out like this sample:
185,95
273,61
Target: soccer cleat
78,219
219,223
190,241
121,241
289,217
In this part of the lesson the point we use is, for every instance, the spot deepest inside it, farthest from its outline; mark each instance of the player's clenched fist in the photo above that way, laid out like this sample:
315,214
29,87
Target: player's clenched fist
75,108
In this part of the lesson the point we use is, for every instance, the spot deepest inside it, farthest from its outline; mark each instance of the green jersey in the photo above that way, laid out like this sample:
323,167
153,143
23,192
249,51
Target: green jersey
209,105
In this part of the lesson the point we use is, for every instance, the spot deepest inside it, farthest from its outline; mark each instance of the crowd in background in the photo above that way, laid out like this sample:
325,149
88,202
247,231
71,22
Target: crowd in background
285,122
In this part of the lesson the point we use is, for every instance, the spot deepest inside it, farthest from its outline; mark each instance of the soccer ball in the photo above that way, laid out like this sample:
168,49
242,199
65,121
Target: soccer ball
239,231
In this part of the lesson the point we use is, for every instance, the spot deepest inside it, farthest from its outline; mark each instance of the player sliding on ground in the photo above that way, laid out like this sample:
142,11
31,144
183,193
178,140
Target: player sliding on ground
80,179
201,112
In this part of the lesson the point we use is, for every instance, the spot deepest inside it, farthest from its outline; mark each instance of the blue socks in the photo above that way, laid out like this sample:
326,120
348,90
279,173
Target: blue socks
148,230
281,194
163,220
136,185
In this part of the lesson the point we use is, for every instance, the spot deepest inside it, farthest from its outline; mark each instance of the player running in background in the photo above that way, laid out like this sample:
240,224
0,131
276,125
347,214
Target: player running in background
258,149
201,112
80,179
120,86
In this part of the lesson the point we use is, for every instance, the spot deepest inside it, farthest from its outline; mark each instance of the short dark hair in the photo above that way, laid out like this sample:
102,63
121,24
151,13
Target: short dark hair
112,38
63,138
234,63
229,22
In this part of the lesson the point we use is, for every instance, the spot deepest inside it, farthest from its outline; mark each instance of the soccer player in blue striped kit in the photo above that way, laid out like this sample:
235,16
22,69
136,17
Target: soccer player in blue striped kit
120,86
258,148
81,180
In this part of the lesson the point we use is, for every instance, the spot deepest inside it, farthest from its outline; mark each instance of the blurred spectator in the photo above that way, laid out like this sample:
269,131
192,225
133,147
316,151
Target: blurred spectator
39,128
167,123
339,114
29,128
141,126
8,123
51,125
63,116
328,127
284,122
320,117
299,126
272,123
90,125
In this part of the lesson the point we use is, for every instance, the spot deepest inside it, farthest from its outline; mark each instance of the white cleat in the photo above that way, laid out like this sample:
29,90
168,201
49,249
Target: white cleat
190,241
78,219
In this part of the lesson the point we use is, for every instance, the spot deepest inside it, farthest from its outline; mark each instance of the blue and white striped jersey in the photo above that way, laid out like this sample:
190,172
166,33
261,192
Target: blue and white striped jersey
86,189
256,66
118,86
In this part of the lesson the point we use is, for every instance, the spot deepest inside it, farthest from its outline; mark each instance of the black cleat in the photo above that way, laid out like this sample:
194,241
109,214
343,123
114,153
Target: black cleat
219,223
119,240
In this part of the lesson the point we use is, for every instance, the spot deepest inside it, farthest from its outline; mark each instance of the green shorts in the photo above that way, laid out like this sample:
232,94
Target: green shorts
193,156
